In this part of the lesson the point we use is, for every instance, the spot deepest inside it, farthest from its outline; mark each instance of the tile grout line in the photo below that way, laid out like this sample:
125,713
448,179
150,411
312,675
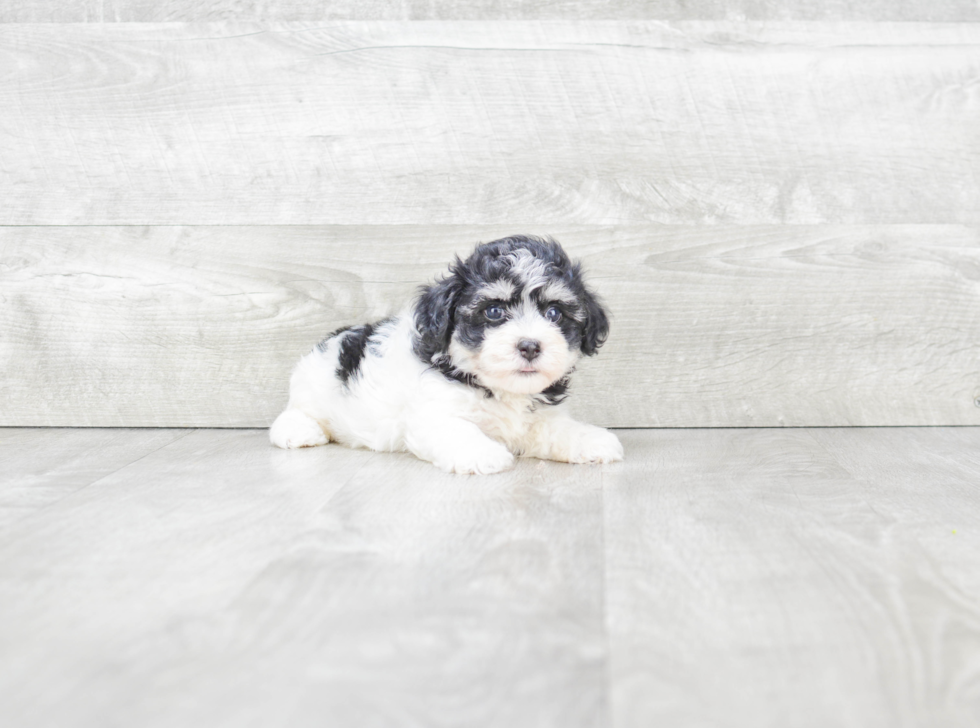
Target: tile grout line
347,482
140,458
121,468
46,507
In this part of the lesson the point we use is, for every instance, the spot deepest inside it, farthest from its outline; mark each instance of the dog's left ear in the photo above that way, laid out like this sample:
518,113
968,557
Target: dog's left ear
596,322
434,313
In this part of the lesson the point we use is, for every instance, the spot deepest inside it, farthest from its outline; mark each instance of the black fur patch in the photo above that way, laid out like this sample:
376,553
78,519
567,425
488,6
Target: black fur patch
322,346
358,341
556,393
381,331
444,366
352,349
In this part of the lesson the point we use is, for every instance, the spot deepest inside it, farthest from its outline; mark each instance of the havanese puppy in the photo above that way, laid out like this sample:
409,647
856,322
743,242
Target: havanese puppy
472,374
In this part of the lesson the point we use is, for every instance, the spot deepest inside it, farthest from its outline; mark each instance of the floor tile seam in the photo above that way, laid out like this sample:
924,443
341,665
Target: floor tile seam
139,459
38,511
833,458
347,480
113,472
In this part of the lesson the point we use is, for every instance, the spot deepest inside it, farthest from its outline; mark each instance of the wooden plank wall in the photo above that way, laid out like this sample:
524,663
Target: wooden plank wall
779,203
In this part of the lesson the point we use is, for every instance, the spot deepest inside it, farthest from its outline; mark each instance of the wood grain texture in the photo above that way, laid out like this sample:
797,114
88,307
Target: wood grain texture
223,582
735,578
39,470
32,11
758,578
534,122
711,326
51,11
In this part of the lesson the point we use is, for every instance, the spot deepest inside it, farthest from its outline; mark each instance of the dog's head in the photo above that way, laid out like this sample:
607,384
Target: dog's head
514,317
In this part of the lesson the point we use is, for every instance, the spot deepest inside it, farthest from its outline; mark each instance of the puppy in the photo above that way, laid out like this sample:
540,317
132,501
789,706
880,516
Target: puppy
472,374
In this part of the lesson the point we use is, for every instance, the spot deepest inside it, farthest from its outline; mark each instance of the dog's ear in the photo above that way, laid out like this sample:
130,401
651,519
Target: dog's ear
596,323
434,313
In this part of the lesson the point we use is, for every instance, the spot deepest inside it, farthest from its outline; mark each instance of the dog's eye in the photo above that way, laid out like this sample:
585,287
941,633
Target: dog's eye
494,313
553,314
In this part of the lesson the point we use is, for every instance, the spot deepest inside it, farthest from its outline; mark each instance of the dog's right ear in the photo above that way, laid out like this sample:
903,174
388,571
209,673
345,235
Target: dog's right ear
434,313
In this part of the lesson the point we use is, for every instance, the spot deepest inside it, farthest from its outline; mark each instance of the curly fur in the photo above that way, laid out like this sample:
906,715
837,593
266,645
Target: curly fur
471,375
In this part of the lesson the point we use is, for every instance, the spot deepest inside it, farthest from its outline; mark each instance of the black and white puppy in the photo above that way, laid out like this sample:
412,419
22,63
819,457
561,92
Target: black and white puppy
472,374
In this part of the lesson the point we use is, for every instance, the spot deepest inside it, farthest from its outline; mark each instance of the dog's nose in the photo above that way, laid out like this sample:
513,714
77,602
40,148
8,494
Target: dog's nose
529,349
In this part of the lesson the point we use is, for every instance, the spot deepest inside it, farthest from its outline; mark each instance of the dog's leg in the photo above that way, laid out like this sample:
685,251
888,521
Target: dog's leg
294,428
555,436
456,446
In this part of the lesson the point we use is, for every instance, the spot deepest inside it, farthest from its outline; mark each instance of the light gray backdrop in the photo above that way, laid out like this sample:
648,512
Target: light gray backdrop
779,203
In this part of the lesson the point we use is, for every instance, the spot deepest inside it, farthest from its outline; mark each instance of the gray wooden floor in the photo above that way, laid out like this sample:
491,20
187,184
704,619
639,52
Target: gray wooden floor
797,577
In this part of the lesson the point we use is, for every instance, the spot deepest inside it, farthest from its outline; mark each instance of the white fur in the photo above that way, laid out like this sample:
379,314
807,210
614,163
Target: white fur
499,336
398,403
498,362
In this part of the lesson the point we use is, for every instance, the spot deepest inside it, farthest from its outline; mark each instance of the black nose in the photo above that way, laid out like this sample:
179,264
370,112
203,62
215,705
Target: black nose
529,349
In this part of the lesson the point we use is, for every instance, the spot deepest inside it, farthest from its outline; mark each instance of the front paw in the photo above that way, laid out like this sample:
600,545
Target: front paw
293,429
487,458
594,445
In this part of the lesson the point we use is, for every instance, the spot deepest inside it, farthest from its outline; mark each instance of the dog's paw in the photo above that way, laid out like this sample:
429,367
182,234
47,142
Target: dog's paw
594,445
294,429
487,458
